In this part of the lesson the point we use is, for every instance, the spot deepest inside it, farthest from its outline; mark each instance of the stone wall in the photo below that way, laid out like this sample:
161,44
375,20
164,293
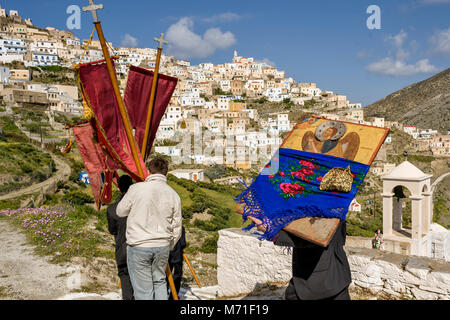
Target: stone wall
246,265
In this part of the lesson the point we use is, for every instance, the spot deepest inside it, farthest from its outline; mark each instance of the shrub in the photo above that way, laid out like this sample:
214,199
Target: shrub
78,198
205,225
216,172
210,244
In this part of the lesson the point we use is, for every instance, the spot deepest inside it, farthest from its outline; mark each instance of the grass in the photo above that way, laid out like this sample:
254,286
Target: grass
60,232
364,224
201,197
22,163
184,194
227,201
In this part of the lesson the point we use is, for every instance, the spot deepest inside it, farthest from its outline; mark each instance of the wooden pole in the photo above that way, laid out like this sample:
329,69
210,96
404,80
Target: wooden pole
151,103
122,108
192,270
171,283
123,111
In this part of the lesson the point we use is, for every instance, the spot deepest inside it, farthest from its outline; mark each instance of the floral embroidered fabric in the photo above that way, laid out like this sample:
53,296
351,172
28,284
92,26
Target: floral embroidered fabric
293,191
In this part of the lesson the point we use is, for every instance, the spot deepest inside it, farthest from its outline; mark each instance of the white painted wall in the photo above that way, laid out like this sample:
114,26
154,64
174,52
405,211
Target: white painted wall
244,263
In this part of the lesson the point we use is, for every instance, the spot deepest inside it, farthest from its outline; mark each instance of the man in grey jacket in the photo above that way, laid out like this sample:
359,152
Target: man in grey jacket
153,228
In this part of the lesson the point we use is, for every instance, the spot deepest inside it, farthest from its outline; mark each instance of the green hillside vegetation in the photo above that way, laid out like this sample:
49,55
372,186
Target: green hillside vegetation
54,74
215,200
22,163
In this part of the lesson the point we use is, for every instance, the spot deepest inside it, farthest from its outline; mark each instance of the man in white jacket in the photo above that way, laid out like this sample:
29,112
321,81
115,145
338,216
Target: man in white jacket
153,228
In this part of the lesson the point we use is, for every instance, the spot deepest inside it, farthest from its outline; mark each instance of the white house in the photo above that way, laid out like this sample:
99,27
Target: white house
354,206
172,115
409,129
310,91
73,42
378,122
44,53
12,50
171,151
252,113
280,124
210,105
223,103
272,93
13,46
225,85
4,75
207,66
189,174
165,131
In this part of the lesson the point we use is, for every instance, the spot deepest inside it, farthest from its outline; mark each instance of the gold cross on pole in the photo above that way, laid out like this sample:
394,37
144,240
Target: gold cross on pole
93,9
161,41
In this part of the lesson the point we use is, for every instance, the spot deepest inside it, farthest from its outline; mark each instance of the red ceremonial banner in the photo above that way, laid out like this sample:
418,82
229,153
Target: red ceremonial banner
97,90
93,157
137,97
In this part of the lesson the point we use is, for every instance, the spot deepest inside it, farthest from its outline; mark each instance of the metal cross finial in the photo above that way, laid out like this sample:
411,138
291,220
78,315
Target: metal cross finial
93,9
161,41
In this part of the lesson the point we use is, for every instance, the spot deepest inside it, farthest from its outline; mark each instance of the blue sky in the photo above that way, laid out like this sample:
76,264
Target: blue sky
322,41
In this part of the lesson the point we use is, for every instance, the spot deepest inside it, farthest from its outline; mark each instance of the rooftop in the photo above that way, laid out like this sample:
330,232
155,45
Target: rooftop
406,171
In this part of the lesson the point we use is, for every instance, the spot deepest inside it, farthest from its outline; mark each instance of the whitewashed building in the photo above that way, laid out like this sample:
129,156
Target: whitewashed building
354,206
171,151
172,115
223,103
44,53
189,174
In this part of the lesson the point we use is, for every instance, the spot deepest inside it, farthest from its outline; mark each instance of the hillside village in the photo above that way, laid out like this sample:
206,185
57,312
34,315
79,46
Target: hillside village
230,98
219,117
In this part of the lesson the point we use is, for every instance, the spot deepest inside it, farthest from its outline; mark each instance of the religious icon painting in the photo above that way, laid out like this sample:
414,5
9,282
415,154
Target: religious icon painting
341,139
319,169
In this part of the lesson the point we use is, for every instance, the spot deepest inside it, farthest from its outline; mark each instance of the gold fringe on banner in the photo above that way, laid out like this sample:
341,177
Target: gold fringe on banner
88,114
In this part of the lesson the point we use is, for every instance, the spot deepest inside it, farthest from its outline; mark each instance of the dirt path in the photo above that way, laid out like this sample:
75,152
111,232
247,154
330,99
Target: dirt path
438,180
24,275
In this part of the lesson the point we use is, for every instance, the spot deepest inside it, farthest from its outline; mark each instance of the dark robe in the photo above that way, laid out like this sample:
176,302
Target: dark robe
317,272
176,262
118,226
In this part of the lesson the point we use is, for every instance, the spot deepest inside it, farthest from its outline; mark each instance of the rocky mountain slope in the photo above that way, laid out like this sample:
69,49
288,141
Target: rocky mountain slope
425,104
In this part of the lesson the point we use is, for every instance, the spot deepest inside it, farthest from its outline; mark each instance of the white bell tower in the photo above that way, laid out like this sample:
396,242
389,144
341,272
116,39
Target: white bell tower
418,184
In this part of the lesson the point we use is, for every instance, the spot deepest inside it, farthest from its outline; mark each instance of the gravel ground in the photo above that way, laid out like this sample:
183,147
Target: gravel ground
25,276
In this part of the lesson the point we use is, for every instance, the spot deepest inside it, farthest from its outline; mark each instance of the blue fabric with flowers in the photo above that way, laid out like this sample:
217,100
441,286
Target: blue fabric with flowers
288,189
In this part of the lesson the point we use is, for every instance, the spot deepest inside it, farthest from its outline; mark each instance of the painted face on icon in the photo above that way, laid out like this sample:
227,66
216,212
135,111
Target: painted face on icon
329,133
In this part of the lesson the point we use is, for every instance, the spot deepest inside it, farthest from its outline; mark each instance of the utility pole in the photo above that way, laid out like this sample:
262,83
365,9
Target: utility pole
374,205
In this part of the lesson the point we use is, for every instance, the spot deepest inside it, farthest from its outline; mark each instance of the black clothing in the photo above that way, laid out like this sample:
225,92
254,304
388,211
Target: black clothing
118,226
176,262
125,281
317,272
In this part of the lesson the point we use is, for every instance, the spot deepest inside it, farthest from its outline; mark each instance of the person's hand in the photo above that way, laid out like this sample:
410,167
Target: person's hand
259,224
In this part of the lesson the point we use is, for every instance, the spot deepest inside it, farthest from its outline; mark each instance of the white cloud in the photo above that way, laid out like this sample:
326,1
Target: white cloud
395,64
223,17
268,62
391,67
129,41
398,39
441,42
184,43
